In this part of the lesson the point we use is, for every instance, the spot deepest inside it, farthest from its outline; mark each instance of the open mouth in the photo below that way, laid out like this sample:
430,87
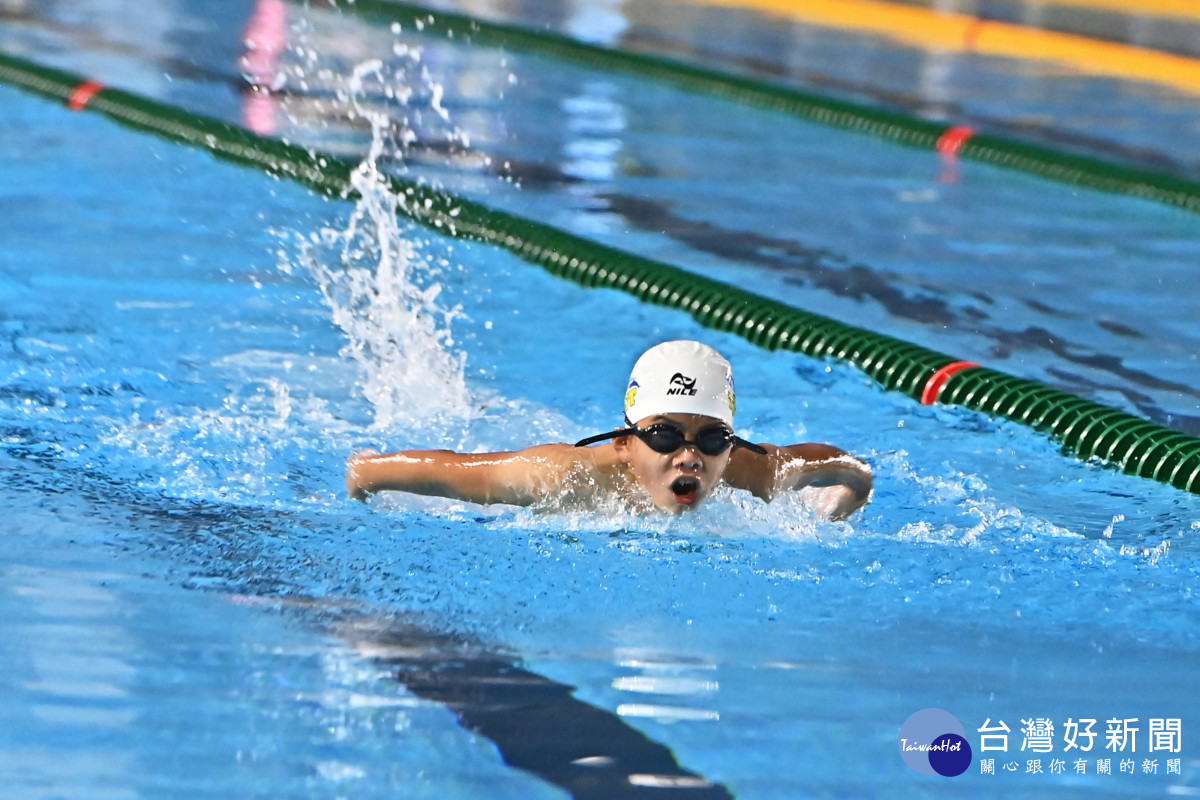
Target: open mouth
686,490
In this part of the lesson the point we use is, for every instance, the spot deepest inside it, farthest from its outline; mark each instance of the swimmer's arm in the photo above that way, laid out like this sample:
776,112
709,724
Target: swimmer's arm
844,482
518,478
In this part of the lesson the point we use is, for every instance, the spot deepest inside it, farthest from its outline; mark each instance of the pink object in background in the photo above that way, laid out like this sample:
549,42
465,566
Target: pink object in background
265,38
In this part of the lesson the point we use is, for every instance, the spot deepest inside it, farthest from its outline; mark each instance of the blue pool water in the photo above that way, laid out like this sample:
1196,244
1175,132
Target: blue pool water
192,609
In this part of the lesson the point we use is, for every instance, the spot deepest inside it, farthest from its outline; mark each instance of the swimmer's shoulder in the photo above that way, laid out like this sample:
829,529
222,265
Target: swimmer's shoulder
560,456
569,466
551,476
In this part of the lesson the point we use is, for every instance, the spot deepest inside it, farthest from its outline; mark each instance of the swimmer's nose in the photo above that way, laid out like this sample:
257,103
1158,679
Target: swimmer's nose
688,458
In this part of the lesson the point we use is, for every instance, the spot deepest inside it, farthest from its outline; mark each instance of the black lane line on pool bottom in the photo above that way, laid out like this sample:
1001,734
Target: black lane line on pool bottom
537,724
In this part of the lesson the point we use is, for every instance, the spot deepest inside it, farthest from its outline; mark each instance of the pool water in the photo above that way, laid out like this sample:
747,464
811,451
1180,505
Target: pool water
192,608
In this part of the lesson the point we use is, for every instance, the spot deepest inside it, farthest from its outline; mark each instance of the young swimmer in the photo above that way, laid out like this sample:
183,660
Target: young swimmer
677,446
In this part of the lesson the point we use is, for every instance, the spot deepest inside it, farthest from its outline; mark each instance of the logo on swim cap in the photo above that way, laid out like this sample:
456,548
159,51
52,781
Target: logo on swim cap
630,394
681,384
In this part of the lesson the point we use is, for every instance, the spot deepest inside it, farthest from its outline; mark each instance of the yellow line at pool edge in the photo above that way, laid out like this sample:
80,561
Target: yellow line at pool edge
954,32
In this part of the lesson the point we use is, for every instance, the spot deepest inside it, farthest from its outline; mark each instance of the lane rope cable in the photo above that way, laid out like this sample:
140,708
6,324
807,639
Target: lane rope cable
1084,428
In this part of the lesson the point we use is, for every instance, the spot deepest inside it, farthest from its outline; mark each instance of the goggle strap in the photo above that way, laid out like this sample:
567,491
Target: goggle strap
751,446
600,437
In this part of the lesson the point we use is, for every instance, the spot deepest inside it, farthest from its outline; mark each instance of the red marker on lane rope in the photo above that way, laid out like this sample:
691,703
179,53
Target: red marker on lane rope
82,94
933,386
952,140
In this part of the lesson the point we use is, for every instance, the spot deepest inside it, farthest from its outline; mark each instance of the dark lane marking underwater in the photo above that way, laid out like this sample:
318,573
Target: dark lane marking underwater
536,723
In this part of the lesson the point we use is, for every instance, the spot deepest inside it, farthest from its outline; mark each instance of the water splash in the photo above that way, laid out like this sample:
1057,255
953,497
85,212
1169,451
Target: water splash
382,291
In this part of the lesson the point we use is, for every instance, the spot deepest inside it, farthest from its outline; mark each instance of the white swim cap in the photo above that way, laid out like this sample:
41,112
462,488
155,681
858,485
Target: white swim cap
681,377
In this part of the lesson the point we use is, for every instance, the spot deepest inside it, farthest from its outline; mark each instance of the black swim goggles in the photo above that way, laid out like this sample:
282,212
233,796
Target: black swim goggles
711,440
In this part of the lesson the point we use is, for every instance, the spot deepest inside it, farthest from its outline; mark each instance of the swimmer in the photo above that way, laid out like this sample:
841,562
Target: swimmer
676,447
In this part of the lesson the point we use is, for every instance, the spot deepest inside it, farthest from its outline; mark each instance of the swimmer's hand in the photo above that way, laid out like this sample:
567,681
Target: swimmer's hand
835,502
354,478
831,481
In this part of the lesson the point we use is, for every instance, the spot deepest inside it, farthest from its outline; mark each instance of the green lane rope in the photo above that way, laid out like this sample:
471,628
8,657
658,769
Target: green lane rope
950,140
1088,429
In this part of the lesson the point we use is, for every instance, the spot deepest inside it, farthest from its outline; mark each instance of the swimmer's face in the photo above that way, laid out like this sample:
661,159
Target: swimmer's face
678,480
